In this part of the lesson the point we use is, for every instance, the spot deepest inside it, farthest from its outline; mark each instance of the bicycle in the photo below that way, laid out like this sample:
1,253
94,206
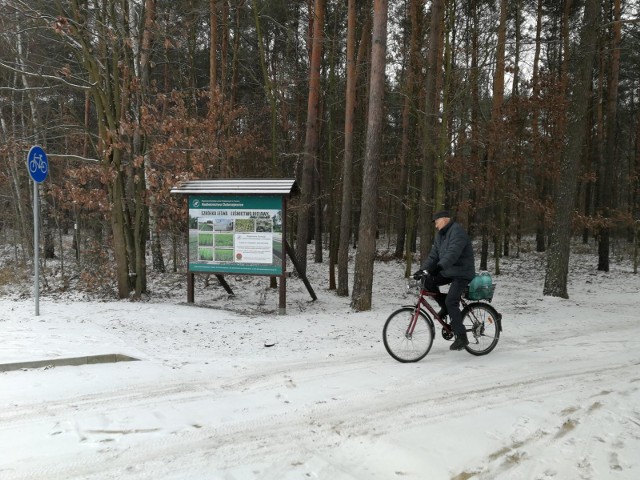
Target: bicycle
38,163
408,333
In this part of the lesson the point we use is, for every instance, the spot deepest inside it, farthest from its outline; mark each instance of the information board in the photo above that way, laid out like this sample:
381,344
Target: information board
240,234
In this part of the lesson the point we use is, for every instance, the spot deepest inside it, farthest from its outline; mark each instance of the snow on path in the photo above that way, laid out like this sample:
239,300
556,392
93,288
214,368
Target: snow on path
558,398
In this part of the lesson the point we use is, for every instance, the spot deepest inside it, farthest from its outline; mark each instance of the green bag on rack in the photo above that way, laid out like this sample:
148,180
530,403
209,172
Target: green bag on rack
481,287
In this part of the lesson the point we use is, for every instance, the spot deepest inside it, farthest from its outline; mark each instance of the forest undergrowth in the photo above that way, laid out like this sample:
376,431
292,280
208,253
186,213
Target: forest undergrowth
93,277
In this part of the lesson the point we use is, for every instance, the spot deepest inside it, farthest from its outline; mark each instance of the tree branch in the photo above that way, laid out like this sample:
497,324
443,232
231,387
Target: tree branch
74,157
47,77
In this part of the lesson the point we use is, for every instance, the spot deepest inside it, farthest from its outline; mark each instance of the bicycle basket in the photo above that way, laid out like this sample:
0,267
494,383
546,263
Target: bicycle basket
480,288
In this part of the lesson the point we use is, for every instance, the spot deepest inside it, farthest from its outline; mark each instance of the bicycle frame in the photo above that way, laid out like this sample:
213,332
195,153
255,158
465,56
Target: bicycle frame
423,304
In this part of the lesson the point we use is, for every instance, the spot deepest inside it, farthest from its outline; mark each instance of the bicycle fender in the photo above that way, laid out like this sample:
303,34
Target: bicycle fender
496,315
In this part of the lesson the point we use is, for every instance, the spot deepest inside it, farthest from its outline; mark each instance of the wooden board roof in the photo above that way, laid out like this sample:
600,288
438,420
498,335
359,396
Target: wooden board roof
246,186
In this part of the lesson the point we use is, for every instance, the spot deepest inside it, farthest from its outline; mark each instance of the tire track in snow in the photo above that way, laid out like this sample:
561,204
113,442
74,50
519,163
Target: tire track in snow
314,426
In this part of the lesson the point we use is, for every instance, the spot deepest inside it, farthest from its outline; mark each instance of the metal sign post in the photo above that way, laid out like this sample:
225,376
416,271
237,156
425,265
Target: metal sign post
38,167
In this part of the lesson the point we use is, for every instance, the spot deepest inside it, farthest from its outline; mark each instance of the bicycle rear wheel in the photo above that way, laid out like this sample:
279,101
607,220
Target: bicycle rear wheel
482,323
401,345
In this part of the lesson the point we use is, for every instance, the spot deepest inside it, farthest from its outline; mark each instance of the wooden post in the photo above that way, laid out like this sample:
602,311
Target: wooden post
190,287
282,304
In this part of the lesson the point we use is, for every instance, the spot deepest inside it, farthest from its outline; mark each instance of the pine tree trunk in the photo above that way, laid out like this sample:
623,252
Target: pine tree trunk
311,137
495,147
430,137
408,130
608,202
557,268
363,282
474,79
347,165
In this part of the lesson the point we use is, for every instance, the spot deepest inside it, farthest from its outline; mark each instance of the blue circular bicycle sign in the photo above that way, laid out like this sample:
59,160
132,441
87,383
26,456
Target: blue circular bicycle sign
37,164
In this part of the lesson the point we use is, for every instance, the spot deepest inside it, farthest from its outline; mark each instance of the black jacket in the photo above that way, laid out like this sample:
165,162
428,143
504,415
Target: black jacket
452,250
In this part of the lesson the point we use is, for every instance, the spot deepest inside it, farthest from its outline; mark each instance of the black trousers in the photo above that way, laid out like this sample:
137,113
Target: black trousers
449,303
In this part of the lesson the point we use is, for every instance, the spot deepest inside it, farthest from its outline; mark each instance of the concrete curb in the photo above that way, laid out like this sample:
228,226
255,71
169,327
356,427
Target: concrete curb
69,361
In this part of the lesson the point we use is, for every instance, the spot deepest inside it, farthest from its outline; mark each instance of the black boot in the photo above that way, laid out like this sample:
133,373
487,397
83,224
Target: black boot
460,342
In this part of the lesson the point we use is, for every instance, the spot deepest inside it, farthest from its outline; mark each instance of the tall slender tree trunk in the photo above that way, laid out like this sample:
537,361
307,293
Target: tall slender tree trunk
517,149
608,201
269,90
408,117
430,137
474,79
317,209
363,283
333,203
37,131
635,190
213,45
444,82
224,47
235,60
495,147
311,137
557,268
14,167
363,69
598,136
535,134
347,165
157,258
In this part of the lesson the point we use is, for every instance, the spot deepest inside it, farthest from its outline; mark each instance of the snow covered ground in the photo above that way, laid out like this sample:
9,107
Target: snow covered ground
559,398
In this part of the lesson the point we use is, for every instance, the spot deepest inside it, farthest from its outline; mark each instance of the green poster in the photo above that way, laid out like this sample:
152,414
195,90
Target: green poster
236,234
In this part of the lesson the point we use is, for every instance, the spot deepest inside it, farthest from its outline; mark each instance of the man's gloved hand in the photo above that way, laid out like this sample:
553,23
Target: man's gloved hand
418,275
434,270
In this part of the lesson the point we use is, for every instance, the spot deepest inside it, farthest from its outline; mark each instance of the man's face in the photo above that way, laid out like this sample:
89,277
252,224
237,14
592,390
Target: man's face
441,222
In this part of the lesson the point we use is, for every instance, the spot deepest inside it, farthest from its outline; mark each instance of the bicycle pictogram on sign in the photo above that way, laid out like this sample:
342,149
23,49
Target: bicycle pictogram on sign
37,164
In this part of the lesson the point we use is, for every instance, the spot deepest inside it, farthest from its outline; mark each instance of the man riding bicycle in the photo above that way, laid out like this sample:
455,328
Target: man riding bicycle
450,261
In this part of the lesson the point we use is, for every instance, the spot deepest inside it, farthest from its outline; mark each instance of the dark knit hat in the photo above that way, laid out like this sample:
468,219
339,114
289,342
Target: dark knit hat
441,214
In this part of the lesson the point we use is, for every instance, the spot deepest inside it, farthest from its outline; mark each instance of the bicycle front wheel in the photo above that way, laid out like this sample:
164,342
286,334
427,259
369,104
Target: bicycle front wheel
482,323
403,345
